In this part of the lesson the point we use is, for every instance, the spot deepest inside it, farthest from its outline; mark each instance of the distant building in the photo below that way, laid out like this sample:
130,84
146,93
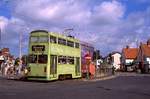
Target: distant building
144,56
5,52
116,60
129,55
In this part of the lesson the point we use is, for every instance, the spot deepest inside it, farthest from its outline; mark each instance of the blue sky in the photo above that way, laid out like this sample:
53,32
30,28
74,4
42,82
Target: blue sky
109,25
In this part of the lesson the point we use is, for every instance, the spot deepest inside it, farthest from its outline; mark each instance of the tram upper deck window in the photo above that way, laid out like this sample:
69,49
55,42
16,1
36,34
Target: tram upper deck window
42,59
39,39
43,39
77,45
53,39
70,43
34,39
61,41
32,58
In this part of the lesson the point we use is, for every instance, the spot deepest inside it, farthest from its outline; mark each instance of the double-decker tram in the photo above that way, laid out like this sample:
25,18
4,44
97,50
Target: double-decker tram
53,56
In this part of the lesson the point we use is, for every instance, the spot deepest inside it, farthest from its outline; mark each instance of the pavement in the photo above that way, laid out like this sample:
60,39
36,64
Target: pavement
121,86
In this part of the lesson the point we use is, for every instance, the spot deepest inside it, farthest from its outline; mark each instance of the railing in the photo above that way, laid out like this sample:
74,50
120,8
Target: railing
104,71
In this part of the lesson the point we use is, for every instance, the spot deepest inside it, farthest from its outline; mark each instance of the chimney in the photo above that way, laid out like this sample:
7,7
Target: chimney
148,42
127,47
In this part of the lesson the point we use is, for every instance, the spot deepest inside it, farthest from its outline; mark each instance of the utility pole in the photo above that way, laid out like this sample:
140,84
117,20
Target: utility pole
0,38
20,45
0,35
20,51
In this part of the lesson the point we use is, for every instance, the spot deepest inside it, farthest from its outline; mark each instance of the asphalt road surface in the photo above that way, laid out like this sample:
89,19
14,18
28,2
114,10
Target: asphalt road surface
124,86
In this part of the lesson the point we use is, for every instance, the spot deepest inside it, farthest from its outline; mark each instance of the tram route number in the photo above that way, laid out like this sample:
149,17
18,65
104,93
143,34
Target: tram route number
38,48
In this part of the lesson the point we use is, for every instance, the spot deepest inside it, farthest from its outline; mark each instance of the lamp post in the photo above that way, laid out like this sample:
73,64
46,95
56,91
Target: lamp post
20,49
0,35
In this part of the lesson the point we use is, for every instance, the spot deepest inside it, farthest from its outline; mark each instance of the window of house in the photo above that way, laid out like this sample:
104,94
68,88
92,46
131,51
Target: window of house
61,59
76,45
61,41
70,43
53,39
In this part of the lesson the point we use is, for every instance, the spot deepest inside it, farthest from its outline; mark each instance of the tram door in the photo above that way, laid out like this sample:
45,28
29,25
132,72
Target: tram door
77,67
53,65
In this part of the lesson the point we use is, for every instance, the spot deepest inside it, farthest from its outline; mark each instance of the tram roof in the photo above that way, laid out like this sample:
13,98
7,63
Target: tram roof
54,34
35,31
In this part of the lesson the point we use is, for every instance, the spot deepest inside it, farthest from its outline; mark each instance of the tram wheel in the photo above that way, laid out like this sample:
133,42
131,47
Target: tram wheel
62,77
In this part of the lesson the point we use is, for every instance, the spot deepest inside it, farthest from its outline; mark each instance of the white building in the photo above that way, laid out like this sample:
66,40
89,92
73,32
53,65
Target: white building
116,60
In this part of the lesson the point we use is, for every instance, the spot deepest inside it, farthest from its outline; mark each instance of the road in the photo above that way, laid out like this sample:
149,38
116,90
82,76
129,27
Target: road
124,86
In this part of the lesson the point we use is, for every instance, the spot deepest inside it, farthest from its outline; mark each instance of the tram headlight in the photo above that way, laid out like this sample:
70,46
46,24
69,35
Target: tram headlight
29,69
45,69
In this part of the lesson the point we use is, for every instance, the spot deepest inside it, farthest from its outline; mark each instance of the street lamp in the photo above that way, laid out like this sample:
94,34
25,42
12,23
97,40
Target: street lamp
0,37
0,33
20,50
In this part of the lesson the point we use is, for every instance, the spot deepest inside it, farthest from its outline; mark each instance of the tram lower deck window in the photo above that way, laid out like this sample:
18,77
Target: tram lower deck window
70,60
42,59
32,58
38,59
62,59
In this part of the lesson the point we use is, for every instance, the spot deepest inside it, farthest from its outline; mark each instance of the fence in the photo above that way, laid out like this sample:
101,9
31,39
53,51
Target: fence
104,71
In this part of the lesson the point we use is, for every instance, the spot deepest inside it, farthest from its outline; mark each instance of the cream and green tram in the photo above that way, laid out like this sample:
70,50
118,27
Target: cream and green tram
53,56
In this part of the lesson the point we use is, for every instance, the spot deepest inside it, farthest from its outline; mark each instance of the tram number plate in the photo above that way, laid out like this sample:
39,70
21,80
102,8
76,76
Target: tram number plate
38,48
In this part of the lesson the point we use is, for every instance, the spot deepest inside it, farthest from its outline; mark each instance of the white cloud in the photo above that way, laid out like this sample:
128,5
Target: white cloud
109,10
3,22
102,24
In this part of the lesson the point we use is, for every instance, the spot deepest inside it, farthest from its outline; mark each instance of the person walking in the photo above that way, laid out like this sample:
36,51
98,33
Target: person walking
113,70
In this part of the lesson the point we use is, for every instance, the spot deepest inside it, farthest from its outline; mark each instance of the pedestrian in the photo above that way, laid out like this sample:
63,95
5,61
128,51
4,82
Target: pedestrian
1,62
92,70
113,70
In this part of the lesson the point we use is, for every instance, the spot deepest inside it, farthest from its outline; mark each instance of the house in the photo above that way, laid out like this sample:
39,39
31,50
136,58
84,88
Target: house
5,52
144,56
116,60
129,55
